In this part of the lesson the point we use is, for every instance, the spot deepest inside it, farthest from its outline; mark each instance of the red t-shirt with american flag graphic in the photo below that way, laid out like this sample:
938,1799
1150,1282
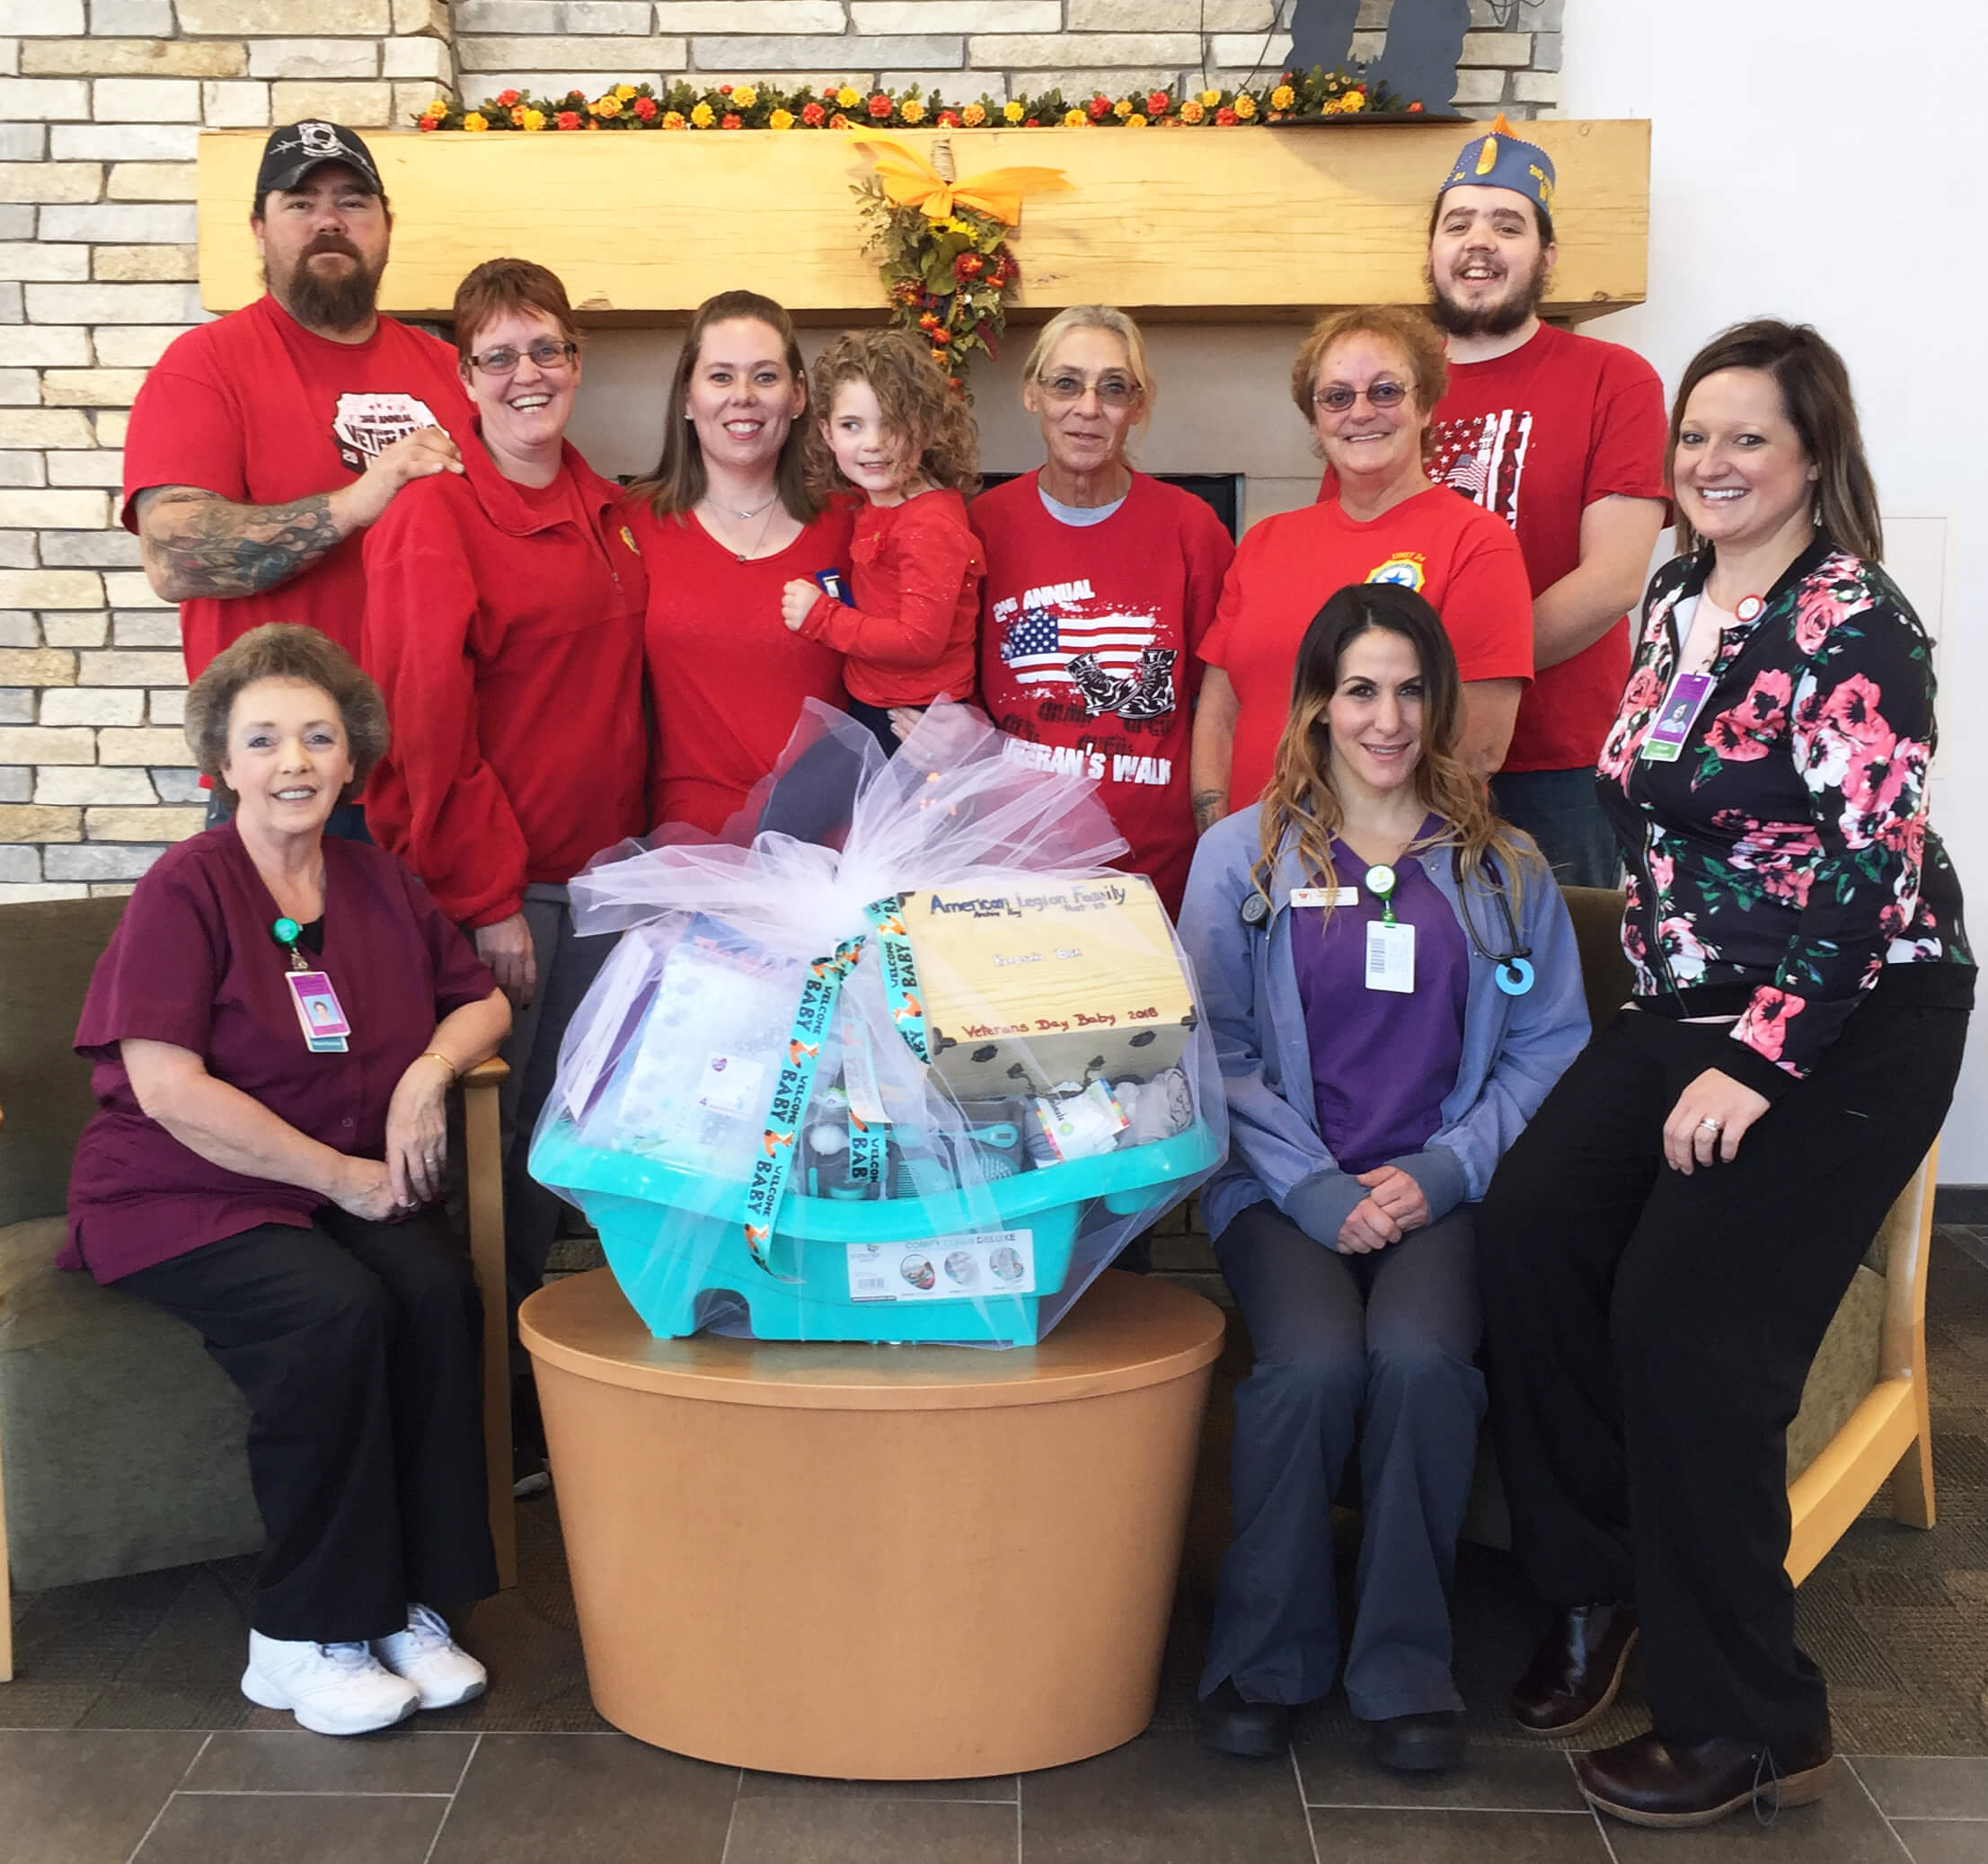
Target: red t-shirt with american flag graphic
1087,640
1535,437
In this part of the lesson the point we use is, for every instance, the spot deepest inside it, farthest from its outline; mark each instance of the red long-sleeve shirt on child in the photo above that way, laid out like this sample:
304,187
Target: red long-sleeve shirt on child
916,571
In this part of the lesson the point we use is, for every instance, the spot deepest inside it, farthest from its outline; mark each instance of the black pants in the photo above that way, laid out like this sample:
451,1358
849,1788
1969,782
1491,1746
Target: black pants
875,721
1649,1334
357,1346
568,965
1384,1343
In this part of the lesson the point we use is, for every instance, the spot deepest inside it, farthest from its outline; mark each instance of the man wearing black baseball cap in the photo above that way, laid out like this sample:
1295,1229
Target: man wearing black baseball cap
263,443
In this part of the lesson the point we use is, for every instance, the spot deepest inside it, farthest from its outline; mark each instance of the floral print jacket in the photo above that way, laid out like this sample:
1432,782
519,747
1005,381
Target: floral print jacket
1783,860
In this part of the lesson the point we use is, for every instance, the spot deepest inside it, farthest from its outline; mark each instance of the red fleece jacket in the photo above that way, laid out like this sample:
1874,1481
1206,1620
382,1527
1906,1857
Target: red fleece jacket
504,624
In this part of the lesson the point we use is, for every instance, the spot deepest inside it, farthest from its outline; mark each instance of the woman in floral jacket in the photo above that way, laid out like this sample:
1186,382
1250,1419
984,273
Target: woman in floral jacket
1665,1246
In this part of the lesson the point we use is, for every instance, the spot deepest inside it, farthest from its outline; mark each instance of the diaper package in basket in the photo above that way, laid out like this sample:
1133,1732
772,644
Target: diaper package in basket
896,1060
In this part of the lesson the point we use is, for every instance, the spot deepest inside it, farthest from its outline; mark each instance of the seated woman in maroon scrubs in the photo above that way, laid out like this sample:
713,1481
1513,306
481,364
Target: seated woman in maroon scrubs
275,1025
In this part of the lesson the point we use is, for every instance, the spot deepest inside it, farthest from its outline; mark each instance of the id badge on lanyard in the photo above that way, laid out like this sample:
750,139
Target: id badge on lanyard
1676,717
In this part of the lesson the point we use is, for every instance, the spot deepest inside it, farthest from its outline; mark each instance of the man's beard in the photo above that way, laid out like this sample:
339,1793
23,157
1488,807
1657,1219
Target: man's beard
343,303
1499,319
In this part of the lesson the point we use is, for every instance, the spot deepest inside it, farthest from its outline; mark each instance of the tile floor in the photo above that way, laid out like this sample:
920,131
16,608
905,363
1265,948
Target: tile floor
124,1739
435,1797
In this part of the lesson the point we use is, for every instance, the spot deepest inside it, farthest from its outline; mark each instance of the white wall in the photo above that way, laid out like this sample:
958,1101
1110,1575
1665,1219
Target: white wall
1792,175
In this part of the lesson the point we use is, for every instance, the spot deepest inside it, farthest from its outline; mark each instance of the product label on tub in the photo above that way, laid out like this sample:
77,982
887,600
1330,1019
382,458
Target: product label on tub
944,1268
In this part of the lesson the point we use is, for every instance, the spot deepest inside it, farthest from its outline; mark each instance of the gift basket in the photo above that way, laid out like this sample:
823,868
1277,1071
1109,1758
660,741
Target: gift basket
896,1060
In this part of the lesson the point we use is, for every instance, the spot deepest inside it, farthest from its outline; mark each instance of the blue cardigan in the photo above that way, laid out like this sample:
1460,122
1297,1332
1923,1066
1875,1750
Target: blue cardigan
1515,1048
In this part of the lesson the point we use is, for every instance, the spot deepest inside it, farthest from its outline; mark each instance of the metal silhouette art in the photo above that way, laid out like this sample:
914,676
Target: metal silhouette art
1418,59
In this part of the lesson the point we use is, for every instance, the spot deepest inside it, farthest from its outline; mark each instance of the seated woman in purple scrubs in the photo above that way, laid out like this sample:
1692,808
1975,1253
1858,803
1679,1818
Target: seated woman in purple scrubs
1394,986
275,1025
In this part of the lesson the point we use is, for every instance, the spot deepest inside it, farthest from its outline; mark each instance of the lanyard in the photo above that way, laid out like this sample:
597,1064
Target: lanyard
1380,883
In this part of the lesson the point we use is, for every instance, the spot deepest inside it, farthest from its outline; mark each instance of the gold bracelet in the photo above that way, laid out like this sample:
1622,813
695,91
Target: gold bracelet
436,1054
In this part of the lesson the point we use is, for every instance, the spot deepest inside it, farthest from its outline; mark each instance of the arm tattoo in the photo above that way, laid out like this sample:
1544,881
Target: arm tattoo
1209,807
196,543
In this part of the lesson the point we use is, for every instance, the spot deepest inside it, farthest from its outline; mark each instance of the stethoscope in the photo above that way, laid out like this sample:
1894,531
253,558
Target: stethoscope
1512,972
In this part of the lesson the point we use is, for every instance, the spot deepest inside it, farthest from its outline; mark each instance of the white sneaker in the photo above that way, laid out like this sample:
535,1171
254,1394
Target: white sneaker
331,1689
425,1656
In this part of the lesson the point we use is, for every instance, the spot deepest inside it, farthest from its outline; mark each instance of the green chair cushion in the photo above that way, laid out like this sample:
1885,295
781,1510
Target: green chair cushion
123,1444
48,949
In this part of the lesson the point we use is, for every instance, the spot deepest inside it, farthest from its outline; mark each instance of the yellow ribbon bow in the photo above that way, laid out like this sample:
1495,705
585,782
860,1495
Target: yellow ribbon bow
907,179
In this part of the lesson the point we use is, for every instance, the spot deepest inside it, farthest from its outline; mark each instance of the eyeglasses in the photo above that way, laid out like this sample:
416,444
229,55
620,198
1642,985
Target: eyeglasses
504,360
1113,390
1339,398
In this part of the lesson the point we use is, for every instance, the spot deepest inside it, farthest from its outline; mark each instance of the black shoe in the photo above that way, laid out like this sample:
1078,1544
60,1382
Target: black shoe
1227,1725
1651,1782
1429,1743
1577,1670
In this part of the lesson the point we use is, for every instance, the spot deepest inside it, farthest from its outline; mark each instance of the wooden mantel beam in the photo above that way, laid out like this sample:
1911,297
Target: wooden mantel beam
1192,224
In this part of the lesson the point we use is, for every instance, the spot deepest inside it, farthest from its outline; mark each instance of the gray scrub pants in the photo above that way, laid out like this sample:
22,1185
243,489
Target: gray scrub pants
1380,1343
568,965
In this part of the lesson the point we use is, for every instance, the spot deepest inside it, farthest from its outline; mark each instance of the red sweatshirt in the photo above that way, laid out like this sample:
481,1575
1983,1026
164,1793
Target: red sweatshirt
914,571
504,624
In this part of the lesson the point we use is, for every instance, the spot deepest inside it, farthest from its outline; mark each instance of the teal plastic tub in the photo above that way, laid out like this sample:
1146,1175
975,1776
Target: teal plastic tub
675,1242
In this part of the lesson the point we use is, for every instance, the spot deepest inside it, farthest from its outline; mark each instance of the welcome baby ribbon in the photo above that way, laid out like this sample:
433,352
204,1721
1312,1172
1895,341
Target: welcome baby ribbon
912,181
820,994
907,1012
816,1009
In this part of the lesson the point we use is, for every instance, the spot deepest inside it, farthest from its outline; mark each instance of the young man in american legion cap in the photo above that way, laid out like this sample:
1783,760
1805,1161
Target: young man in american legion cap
1563,437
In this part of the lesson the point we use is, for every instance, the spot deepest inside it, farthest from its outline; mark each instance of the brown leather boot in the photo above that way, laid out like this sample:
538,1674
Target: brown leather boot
1577,1670
1649,1781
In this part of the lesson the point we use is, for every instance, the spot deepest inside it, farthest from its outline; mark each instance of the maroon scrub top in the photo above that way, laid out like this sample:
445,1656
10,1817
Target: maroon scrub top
193,963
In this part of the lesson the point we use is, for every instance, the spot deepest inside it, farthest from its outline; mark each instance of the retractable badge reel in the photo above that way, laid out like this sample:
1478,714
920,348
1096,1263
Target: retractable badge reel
319,1013
1390,944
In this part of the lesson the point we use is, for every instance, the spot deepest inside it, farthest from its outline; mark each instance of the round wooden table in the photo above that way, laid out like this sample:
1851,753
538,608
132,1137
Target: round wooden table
875,1562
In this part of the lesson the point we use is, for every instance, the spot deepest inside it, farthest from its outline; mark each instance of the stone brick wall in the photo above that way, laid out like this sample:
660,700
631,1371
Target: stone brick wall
100,102
963,47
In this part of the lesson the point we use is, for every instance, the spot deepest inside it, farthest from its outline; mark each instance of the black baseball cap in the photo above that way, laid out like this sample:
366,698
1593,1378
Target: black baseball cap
293,151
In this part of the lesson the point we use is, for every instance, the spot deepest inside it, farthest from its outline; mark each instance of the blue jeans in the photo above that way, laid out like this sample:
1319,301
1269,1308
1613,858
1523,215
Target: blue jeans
1560,809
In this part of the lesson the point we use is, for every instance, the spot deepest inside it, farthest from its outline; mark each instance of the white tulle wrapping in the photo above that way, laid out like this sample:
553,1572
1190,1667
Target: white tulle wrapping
719,936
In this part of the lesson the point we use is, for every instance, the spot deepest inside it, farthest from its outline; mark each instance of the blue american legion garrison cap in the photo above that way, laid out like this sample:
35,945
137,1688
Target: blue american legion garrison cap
1499,159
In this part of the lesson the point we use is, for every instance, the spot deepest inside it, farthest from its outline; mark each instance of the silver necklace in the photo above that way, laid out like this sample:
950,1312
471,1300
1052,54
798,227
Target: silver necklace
736,511
765,524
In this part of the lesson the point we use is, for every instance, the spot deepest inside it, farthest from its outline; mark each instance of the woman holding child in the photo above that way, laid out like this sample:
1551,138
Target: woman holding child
725,523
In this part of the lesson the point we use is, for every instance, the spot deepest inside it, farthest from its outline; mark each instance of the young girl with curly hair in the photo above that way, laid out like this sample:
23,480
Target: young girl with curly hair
894,430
